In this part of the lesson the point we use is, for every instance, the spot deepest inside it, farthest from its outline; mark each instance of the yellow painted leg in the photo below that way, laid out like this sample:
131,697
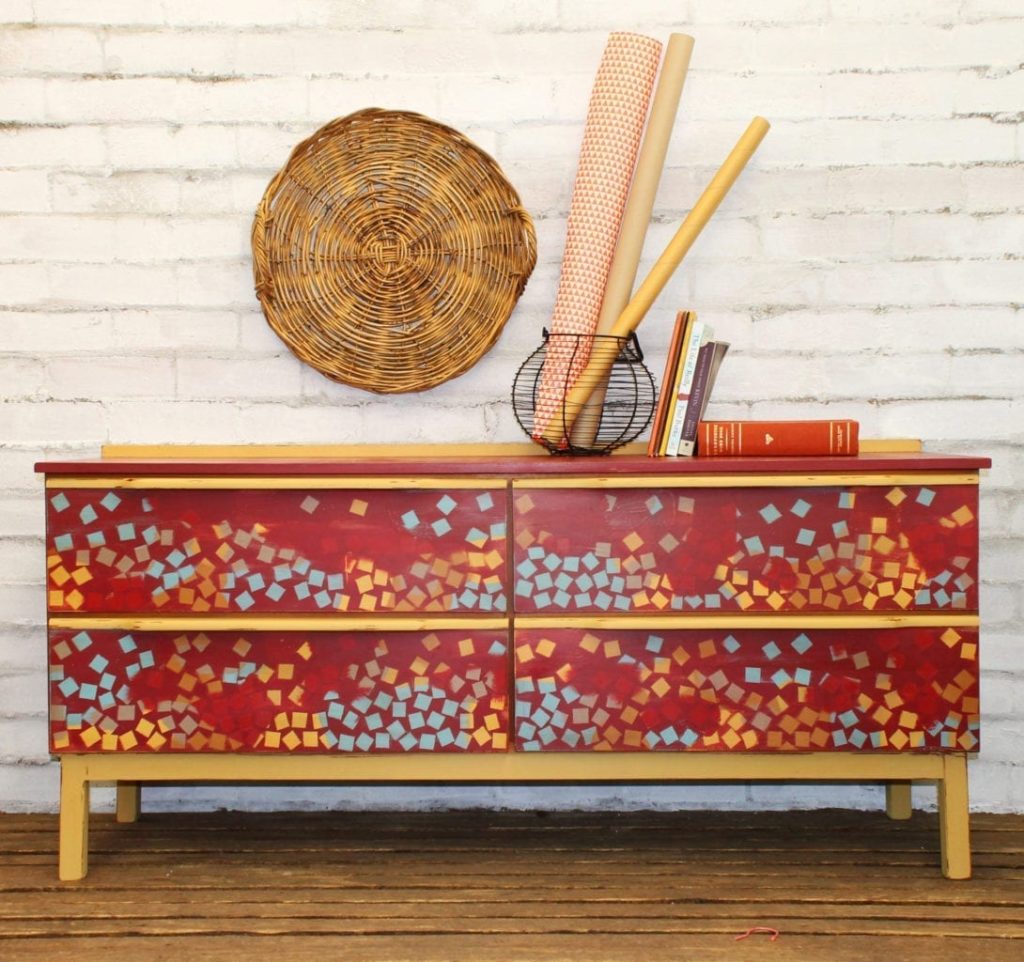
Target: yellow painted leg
954,825
897,800
74,819
129,801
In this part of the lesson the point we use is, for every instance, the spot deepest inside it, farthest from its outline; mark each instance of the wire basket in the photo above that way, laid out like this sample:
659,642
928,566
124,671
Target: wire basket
629,395
389,251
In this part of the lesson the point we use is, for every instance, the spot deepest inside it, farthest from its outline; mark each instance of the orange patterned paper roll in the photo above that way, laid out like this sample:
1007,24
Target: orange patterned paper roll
637,215
611,140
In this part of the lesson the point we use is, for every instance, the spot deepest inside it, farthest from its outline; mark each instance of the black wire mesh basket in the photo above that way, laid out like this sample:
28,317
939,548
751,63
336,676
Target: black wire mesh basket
628,396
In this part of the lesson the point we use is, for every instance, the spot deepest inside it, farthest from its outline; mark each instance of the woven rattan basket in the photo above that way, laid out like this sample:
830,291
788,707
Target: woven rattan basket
389,251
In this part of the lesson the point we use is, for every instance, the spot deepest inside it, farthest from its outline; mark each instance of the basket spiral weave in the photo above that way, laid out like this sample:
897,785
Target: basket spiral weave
389,251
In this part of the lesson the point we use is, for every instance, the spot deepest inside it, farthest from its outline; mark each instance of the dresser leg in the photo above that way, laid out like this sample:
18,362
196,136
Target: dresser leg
129,801
74,820
954,826
897,800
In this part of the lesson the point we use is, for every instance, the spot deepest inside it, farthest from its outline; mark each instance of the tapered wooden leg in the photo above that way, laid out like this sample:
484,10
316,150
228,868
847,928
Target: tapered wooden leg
897,800
74,820
954,826
129,801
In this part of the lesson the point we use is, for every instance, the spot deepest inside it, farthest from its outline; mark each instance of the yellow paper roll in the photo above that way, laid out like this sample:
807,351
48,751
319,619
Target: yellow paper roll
605,351
637,215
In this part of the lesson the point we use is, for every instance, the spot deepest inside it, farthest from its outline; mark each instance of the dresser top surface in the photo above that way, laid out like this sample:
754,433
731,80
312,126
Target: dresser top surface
477,461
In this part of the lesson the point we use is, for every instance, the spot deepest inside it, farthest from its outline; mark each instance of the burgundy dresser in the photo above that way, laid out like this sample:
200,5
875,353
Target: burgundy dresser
490,614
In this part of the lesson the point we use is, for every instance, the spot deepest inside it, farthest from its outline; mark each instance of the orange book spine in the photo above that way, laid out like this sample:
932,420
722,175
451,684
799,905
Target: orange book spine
777,438
667,384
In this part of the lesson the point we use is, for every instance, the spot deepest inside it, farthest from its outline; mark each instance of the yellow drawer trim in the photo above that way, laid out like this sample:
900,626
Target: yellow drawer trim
739,622
750,480
509,766
639,622
275,483
311,622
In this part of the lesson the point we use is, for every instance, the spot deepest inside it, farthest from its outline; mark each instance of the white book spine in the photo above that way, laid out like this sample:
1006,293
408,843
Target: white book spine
698,335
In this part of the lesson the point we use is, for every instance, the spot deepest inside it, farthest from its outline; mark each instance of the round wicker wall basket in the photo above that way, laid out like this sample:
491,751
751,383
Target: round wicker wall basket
389,251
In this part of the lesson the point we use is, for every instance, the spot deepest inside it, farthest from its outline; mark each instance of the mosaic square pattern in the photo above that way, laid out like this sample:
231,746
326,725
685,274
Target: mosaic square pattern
900,548
288,692
899,689
254,551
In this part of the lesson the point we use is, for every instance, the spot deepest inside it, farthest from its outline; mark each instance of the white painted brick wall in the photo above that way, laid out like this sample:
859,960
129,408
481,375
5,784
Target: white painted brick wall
868,260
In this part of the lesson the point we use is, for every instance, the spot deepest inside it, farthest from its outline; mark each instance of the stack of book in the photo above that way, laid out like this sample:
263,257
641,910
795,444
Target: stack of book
691,367
680,430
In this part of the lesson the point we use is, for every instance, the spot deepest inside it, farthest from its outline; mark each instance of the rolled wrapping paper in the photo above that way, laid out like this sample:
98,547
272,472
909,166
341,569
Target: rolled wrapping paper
605,352
637,215
611,140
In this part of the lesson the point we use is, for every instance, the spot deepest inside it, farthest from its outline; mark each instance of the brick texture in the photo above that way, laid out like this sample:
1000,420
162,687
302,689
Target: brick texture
869,259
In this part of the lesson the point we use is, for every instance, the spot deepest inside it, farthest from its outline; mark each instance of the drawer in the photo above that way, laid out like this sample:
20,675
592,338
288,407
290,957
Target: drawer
895,689
861,549
368,551
287,692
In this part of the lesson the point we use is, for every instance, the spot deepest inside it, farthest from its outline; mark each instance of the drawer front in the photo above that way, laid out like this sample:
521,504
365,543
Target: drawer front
286,692
898,689
131,550
905,548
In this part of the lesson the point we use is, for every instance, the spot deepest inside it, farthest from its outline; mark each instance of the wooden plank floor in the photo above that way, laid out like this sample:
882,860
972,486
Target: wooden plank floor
512,887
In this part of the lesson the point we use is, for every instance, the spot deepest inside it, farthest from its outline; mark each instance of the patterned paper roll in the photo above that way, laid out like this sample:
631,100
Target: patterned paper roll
611,140
638,211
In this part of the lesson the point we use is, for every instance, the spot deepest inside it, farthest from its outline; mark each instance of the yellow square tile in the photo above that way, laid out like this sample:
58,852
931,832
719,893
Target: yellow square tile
633,541
963,515
896,496
884,544
950,637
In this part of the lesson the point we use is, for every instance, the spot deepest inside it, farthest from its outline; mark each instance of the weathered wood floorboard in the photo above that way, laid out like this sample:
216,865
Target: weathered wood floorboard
598,947
483,886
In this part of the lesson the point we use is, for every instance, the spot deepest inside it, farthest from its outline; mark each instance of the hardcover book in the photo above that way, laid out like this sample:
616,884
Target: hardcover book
779,438
668,381
699,333
708,362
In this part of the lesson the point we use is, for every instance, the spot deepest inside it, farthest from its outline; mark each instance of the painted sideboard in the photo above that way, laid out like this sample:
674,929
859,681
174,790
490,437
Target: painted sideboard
488,614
